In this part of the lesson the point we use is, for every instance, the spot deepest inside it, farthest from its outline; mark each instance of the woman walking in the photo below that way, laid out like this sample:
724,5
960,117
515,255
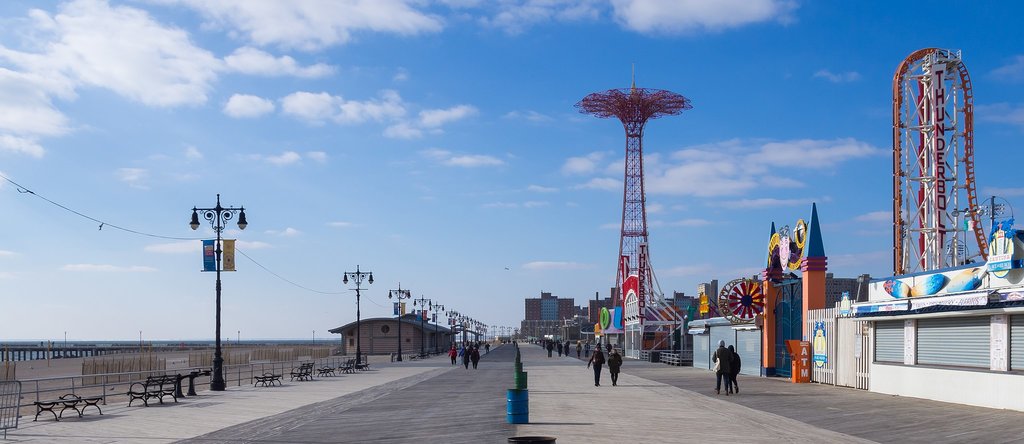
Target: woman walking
614,364
579,349
475,357
452,353
465,357
723,367
732,386
597,359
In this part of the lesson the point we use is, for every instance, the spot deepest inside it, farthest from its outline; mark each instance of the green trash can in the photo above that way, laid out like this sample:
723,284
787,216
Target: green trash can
520,380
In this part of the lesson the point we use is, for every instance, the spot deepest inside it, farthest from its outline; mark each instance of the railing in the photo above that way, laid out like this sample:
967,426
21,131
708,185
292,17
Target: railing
110,385
683,357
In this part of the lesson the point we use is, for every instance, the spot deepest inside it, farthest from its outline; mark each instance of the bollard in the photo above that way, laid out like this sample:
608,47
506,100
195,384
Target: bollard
518,411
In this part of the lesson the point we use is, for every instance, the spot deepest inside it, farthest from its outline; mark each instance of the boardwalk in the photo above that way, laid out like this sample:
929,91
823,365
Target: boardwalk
430,401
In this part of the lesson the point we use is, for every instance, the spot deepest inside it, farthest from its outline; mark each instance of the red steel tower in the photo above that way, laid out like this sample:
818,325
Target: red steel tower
634,107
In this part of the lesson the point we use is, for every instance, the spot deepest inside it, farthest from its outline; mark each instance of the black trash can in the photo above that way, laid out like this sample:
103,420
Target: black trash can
655,356
533,439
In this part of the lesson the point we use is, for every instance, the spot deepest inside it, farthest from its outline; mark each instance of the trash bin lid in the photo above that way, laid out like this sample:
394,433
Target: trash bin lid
532,439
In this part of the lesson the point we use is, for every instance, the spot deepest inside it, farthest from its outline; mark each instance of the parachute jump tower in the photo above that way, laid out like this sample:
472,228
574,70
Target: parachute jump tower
935,204
635,277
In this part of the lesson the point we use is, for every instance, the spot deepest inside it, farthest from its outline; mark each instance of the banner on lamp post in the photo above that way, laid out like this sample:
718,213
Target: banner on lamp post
209,256
227,256
396,309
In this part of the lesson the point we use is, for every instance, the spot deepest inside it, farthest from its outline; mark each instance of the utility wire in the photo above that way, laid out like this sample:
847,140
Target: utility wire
24,190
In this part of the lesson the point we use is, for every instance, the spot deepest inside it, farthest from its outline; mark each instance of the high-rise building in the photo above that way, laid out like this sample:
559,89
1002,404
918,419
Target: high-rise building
545,315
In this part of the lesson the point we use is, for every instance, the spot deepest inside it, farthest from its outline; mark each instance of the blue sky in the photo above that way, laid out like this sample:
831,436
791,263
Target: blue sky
436,144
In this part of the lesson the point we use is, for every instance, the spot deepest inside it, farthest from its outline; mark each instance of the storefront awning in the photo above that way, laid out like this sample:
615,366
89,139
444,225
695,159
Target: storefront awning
697,331
975,299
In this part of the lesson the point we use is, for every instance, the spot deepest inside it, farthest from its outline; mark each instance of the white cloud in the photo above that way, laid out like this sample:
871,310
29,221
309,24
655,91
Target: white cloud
176,247
403,130
287,232
690,16
447,158
285,158
535,204
20,145
107,268
583,165
252,245
317,156
320,107
314,107
6,253
532,116
515,16
765,203
121,49
401,76
875,216
340,224
554,265
690,223
433,118
541,189
527,204
193,153
842,77
313,24
1004,192
242,106
734,167
601,183
134,177
1002,113
248,60
1011,72
654,208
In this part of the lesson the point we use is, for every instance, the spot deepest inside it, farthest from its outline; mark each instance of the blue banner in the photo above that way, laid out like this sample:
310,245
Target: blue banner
209,256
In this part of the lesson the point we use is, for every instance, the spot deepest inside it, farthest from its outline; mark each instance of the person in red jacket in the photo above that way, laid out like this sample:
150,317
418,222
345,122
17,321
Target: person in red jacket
453,354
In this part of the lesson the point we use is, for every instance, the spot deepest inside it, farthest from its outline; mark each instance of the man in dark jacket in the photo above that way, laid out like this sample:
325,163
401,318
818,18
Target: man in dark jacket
614,364
724,359
597,360
734,366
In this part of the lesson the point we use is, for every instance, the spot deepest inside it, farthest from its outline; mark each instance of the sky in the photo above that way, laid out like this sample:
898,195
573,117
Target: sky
436,144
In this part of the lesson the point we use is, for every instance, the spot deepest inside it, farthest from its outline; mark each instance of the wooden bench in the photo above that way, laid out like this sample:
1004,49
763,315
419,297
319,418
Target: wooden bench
68,401
153,387
268,378
348,366
302,372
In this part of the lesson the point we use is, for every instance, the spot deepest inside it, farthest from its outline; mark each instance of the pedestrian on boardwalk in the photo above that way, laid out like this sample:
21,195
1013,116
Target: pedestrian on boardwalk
567,346
475,357
734,365
608,347
614,364
559,349
597,360
723,367
465,356
487,348
550,347
453,354
586,350
579,349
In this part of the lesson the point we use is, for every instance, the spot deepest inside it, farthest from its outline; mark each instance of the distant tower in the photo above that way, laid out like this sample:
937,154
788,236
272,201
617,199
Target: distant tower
935,203
634,107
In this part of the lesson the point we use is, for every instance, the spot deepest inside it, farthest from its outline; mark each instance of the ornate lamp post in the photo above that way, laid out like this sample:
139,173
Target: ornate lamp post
398,295
436,308
358,277
424,305
218,216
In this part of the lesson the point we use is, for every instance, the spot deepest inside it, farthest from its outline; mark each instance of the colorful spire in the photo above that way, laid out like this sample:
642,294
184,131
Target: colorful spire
815,247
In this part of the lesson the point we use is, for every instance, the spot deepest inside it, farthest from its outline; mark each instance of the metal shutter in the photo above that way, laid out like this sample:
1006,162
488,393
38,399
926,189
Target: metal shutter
962,341
889,341
701,355
1017,342
748,347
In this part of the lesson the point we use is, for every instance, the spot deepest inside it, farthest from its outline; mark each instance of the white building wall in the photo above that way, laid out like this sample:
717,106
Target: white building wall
978,388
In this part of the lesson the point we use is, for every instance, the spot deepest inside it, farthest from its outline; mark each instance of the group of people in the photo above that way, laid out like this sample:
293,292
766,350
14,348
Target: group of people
727,366
565,349
469,353
614,364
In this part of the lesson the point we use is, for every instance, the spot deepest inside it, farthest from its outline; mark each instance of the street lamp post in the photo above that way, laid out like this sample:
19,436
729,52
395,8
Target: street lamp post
424,305
398,295
358,277
218,216
436,308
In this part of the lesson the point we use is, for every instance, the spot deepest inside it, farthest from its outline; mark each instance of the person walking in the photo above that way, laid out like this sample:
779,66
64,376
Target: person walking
597,360
723,367
487,348
452,353
579,349
465,356
608,347
475,357
586,350
550,347
734,366
559,349
614,364
567,346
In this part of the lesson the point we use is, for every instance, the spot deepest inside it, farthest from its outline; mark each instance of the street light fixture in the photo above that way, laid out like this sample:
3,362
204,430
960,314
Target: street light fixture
424,305
358,277
436,308
399,295
218,216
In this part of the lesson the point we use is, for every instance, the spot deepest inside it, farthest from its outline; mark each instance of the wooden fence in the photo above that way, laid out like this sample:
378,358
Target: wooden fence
121,364
846,350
